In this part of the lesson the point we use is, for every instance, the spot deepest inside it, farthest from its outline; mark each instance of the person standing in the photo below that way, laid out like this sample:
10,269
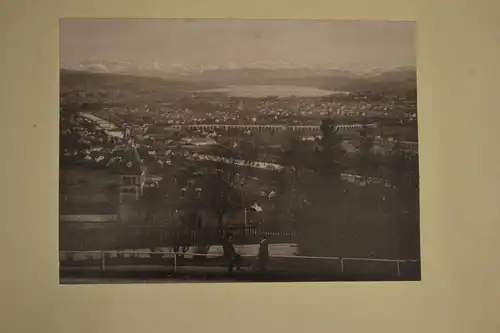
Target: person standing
230,254
263,253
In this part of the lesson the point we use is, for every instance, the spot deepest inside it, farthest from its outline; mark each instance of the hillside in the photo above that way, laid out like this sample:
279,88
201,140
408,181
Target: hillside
88,80
399,81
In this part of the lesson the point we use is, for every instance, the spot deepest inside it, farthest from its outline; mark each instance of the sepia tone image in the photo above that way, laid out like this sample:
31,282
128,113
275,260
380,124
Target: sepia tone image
197,150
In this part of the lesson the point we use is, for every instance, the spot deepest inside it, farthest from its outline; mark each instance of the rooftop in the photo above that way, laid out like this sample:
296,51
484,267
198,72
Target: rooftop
119,160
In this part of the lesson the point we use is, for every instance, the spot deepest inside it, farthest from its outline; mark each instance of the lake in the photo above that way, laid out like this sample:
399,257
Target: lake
257,91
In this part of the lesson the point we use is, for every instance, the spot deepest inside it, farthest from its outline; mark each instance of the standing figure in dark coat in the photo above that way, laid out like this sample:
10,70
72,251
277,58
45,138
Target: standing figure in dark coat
263,253
232,258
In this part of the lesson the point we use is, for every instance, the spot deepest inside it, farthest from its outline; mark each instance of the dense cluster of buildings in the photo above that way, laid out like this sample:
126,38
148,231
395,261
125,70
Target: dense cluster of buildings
209,109
127,175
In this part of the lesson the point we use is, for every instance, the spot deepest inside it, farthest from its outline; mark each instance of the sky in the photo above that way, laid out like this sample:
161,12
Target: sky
321,44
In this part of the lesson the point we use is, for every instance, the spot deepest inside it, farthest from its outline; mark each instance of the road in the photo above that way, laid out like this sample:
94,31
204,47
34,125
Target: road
110,128
152,274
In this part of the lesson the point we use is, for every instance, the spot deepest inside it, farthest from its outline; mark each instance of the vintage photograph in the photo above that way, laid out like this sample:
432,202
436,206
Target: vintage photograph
226,150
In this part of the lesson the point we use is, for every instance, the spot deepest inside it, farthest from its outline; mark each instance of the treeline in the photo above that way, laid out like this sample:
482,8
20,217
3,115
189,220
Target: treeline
374,218
335,218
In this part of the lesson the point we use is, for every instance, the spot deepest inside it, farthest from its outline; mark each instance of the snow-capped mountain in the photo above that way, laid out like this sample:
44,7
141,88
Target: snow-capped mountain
251,73
126,67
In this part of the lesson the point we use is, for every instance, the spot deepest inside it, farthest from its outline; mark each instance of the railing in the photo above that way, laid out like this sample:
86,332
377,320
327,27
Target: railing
176,255
111,235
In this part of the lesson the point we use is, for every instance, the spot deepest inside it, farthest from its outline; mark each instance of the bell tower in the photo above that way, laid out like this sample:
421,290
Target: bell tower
130,189
132,175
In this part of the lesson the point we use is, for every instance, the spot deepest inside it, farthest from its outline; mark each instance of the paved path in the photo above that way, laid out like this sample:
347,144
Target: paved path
149,268
193,274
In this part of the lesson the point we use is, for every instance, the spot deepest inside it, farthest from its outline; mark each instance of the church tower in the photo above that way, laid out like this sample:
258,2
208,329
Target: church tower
132,175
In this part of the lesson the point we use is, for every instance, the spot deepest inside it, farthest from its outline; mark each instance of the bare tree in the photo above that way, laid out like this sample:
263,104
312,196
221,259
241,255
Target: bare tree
292,180
225,179
184,202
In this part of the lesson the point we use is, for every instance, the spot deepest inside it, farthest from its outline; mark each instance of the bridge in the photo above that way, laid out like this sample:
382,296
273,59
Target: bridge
275,128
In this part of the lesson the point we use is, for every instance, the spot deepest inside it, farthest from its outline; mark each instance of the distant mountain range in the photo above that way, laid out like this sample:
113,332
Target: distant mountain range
114,66
400,78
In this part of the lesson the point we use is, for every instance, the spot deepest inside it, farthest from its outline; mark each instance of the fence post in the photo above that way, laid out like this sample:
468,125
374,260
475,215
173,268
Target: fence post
397,262
341,267
103,264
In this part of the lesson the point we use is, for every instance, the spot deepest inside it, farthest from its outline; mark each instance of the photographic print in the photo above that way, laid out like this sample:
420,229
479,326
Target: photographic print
225,150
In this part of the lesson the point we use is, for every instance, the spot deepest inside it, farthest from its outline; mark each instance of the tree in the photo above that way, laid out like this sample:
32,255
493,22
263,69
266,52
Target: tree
324,209
403,174
366,163
371,195
226,178
291,181
329,152
327,164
